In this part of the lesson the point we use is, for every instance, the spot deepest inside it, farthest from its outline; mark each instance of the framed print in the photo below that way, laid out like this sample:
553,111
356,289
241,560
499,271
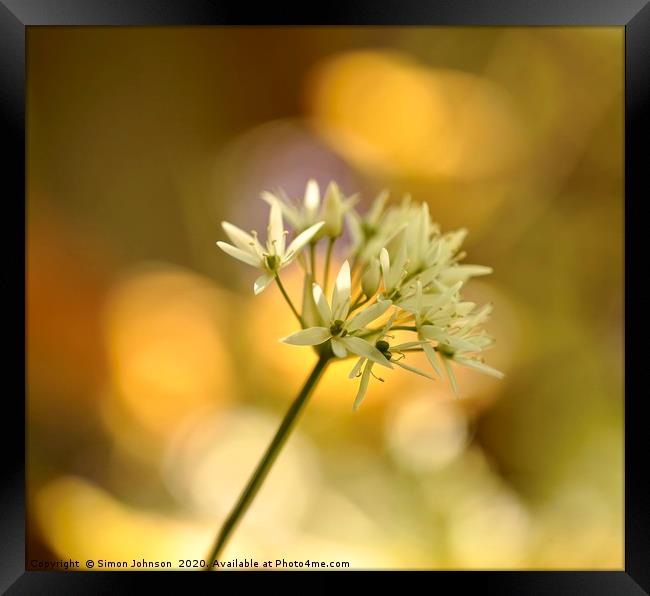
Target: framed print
335,293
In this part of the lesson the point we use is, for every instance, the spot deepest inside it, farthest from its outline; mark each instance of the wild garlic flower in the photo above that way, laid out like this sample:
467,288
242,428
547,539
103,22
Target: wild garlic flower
455,326
303,216
408,277
343,334
393,354
275,256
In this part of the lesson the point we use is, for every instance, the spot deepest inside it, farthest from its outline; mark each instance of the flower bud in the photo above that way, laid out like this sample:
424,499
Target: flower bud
310,314
332,211
312,201
370,279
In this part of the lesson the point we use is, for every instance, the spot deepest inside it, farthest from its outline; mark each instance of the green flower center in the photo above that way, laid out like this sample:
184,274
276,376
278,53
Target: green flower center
336,328
445,350
272,262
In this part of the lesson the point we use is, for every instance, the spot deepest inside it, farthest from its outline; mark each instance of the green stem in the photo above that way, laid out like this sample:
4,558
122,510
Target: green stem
312,259
396,328
328,256
286,297
265,464
358,301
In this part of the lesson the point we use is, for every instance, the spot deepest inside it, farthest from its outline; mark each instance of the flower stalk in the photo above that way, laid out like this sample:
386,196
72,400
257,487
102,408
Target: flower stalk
288,300
328,258
265,464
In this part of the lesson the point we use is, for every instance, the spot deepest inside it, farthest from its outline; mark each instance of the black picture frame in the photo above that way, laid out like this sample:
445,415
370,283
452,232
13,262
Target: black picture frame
17,15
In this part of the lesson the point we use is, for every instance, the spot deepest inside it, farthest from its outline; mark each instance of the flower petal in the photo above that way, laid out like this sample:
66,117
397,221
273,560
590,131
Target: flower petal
309,311
341,293
450,374
301,239
288,209
423,232
461,344
462,272
463,309
354,225
433,332
397,268
269,197
239,238
276,230
371,278
432,358
384,261
418,302
238,253
262,282
377,207
363,386
332,211
417,371
480,366
321,303
479,317
312,198
311,336
388,325
357,367
338,348
367,315
361,347
408,345
437,301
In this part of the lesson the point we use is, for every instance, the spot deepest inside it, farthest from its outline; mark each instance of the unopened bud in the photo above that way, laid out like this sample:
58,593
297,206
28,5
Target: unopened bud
333,211
370,278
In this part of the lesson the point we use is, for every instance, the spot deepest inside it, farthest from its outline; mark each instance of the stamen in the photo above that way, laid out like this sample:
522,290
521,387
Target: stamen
376,377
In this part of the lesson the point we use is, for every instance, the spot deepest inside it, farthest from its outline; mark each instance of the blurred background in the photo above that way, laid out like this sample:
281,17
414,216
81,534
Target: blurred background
155,379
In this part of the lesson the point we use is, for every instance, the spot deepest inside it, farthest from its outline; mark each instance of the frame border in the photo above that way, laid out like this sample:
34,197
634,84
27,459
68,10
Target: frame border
634,15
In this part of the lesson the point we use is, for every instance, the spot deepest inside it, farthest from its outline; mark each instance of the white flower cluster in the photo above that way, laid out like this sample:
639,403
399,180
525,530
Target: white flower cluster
408,277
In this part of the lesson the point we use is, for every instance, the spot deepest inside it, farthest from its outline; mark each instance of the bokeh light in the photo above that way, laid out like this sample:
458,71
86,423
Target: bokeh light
426,433
82,521
210,459
387,112
166,350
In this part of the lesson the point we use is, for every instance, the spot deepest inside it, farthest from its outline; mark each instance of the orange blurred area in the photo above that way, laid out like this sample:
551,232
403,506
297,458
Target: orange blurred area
67,277
155,375
390,113
167,352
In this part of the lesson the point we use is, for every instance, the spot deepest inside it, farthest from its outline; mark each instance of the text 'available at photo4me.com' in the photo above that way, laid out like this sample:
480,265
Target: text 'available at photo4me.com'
142,563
